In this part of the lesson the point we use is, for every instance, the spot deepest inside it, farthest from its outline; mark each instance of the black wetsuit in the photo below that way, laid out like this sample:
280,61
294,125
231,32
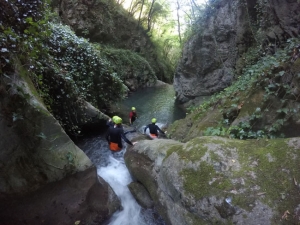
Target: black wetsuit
115,135
132,116
153,129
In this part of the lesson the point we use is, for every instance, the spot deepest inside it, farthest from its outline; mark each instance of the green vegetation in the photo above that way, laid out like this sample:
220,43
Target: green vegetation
169,24
123,61
274,77
66,70
62,67
92,76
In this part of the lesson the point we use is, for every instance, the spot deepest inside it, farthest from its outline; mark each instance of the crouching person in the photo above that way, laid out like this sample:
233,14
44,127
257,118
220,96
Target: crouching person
115,134
153,129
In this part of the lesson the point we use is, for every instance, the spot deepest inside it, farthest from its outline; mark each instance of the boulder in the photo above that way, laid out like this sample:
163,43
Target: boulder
141,195
213,180
82,197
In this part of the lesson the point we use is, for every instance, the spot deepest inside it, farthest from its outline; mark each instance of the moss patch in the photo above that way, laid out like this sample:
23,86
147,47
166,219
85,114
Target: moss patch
201,122
197,182
174,148
268,171
275,166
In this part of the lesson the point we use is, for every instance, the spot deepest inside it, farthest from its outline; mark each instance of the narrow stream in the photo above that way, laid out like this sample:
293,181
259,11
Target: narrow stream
153,102
156,102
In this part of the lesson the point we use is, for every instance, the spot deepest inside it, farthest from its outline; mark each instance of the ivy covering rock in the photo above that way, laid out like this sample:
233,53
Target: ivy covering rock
67,70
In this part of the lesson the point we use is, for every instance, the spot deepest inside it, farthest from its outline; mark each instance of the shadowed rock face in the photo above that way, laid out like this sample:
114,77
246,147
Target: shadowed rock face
79,197
212,180
213,56
140,194
44,177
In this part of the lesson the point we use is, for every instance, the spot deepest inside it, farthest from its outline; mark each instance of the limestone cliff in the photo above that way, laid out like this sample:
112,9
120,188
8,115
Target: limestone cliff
214,56
246,59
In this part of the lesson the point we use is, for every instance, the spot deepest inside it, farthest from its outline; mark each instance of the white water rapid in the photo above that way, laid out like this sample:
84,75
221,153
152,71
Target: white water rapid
118,177
111,167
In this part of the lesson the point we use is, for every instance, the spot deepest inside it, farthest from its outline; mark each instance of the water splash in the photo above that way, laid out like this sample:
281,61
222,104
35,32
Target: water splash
118,177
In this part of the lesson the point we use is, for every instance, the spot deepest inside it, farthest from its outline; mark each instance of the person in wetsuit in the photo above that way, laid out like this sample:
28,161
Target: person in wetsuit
153,129
111,123
115,134
132,115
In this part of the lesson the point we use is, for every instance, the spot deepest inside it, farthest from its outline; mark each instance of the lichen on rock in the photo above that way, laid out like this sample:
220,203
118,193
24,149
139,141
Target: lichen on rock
213,179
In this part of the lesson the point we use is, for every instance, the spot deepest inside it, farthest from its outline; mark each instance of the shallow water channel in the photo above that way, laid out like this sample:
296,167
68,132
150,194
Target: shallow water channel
151,102
155,102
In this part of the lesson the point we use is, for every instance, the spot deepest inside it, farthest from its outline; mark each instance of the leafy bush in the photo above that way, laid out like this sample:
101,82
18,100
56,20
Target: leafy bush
270,73
129,64
92,76
23,28
65,69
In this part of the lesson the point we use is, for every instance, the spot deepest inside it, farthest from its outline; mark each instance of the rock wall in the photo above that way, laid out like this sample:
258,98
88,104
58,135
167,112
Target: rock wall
44,177
39,150
213,57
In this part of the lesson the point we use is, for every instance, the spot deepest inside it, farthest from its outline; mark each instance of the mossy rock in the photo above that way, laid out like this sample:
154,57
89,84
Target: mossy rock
220,180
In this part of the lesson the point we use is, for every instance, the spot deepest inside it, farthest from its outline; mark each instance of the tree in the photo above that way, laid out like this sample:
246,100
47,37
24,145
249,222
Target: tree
178,22
133,8
150,15
143,2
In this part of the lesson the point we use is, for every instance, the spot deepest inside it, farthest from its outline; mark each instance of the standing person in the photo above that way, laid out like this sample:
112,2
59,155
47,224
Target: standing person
153,129
115,135
132,116
111,123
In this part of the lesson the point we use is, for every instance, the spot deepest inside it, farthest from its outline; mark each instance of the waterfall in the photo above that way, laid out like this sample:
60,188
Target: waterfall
118,177
151,102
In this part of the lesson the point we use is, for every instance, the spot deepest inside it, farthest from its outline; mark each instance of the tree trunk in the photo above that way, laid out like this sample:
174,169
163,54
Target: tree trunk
195,4
192,9
131,7
143,1
150,14
178,22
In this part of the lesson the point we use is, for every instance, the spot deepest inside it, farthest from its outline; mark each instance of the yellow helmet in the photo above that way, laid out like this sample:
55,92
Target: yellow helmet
153,120
118,120
114,118
133,108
